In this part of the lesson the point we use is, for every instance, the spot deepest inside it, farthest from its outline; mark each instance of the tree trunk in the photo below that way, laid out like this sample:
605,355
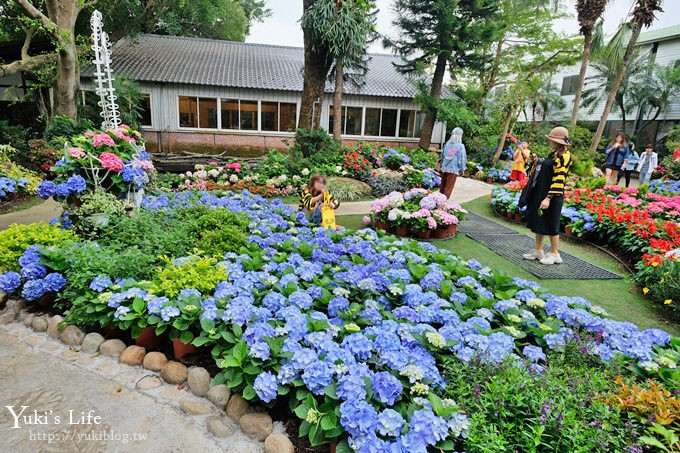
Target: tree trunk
317,65
435,94
337,100
66,82
506,127
587,44
615,86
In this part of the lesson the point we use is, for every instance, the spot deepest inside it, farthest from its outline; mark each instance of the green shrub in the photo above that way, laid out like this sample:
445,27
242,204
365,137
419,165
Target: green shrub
310,142
218,231
421,158
17,238
347,189
155,233
61,128
15,136
195,272
559,409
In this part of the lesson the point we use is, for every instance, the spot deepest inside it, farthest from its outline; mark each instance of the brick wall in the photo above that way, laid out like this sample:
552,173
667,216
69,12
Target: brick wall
245,145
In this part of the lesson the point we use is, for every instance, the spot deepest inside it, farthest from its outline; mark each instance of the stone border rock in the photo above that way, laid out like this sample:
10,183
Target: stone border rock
226,416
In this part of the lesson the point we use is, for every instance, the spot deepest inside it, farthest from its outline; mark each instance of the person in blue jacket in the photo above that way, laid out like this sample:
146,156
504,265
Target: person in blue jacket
617,153
453,161
631,163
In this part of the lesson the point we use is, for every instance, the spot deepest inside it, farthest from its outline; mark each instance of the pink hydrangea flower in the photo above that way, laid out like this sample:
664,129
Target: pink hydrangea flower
111,162
366,219
213,163
76,152
102,139
117,132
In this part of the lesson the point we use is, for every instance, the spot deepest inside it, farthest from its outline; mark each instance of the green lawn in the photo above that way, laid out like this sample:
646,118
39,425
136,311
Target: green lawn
619,297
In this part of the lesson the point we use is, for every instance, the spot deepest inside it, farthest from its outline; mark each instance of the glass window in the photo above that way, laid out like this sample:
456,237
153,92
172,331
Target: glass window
407,122
248,115
420,119
207,113
287,116
229,114
372,126
569,85
188,111
353,120
270,116
145,110
388,123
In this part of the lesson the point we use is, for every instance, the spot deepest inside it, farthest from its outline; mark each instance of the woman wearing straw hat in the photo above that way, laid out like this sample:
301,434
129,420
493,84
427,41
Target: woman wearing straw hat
545,200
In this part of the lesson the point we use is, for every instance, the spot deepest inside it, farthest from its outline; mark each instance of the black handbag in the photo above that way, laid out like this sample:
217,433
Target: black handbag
534,172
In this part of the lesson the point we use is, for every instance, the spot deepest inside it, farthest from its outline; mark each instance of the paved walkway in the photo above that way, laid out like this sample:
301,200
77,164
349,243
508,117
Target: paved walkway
43,212
50,379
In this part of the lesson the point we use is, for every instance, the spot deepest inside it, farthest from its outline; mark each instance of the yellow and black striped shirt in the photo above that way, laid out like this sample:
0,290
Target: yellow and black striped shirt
306,200
561,167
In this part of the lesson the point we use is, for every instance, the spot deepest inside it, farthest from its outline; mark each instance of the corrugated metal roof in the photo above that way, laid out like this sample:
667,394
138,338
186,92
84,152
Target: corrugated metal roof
661,34
198,61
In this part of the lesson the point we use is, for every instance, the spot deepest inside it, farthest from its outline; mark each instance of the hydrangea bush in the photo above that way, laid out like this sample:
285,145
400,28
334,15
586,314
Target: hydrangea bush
353,329
417,209
113,160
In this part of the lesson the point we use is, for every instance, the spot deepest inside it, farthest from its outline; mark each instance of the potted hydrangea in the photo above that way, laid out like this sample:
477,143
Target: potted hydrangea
114,161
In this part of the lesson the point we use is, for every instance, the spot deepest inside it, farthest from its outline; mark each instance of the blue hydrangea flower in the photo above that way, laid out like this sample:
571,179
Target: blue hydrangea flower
266,386
47,189
351,387
100,283
167,313
358,418
533,353
76,184
10,282
63,190
386,387
390,423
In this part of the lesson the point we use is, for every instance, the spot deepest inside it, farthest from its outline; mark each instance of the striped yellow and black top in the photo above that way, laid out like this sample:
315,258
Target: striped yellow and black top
306,200
561,167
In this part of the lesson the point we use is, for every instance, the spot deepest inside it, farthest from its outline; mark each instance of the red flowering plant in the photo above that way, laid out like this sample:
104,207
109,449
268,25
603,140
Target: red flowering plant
355,164
113,160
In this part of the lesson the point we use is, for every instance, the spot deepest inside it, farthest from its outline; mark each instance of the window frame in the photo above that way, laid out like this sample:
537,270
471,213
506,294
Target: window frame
258,130
150,125
572,80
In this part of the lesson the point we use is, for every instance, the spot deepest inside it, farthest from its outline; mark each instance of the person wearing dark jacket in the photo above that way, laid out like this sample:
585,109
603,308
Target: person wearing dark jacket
618,153
545,200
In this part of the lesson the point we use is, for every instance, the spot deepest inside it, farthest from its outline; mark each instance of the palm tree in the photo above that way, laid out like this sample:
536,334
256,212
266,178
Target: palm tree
543,100
599,84
643,15
588,13
655,90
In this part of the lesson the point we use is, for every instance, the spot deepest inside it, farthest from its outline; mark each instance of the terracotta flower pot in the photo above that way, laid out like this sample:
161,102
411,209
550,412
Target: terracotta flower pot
423,234
440,233
452,230
112,332
148,338
181,349
510,215
466,172
489,180
519,217
567,231
401,231
382,225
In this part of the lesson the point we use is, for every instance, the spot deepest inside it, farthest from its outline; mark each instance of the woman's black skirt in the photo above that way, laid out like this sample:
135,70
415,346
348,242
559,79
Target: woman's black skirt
547,224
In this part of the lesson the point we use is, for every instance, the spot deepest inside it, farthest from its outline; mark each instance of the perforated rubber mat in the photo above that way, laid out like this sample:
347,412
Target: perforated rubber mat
512,246
475,223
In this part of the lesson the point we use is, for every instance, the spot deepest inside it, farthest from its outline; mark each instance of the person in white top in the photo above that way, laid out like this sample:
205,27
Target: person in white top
649,160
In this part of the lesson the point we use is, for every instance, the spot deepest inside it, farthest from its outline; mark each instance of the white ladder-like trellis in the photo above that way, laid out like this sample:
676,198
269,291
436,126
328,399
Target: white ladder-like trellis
104,77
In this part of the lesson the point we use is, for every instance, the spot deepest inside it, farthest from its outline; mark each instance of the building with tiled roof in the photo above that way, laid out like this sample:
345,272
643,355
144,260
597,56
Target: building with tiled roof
203,93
